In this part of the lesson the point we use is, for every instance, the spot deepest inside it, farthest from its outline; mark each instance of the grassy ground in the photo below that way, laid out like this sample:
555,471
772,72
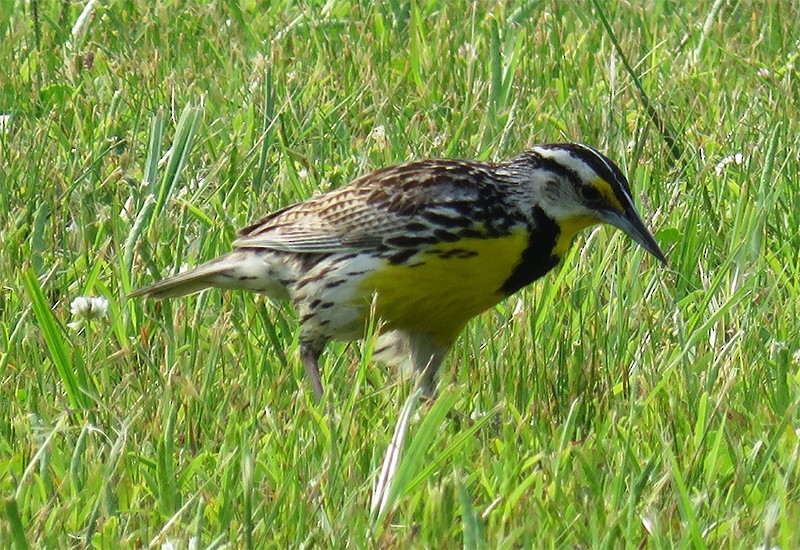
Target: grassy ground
614,404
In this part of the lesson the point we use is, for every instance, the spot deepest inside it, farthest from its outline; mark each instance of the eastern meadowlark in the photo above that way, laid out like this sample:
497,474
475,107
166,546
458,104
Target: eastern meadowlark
429,243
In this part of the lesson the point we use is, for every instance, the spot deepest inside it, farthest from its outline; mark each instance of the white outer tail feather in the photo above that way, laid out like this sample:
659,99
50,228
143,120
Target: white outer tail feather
256,271
187,282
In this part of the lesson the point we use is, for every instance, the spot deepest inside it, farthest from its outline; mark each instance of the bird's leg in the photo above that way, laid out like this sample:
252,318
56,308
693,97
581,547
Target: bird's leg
426,357
310,354
429,377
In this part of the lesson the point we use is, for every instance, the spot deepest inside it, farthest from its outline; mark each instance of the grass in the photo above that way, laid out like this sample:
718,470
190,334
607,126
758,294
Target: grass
615,404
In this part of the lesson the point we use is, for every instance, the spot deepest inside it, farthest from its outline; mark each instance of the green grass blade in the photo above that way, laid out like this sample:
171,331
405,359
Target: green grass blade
139,225
149,180
674,145
474,533
267,133
685,503
182,143
15,523
153,152
414,459
56,345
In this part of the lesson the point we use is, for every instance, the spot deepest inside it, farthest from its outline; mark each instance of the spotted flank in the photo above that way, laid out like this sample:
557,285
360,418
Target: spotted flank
431,243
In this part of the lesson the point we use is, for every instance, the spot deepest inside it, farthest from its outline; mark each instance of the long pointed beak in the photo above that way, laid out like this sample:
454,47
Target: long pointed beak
632,225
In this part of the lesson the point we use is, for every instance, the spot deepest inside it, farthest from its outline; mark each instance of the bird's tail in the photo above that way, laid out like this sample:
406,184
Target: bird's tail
239,269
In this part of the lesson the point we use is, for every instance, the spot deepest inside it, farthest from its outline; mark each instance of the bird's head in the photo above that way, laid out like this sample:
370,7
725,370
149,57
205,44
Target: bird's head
578,187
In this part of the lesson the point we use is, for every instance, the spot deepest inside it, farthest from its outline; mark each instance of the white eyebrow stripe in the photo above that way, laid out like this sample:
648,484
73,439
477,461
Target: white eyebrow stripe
568,160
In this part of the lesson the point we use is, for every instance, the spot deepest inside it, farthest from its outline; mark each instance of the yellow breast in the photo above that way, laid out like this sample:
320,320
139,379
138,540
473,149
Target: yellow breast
568,229
440,289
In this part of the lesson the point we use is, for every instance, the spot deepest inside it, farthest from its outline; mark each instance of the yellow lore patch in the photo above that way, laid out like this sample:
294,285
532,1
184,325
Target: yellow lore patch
441,288
605,188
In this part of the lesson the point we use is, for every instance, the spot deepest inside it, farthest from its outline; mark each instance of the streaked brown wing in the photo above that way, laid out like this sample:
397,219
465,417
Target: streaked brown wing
379,209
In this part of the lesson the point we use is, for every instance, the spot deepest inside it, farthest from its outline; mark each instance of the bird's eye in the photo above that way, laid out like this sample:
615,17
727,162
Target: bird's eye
590,193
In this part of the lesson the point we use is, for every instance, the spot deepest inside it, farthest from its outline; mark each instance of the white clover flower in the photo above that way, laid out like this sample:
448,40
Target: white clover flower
87,308
378,135
477,413
302,174
737,159
468,51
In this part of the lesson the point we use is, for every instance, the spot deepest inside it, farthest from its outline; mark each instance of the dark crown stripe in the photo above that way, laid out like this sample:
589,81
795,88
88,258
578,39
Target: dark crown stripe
602,166
538,162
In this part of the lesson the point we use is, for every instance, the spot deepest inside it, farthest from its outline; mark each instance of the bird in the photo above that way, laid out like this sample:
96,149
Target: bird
424,246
